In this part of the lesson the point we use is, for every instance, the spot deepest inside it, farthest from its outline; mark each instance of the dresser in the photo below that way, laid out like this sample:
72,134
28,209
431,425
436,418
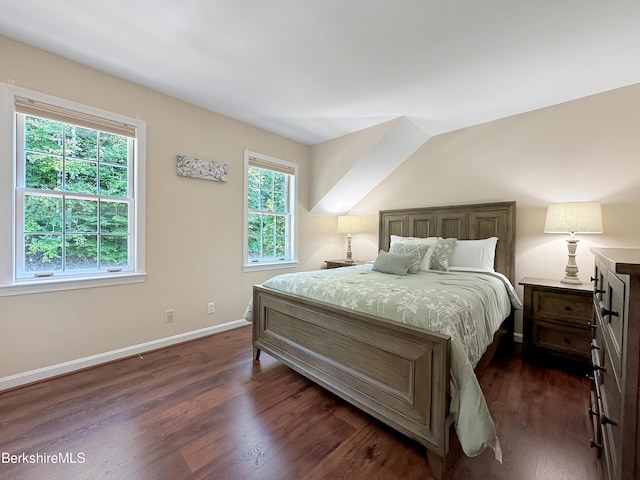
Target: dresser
615,359
556,320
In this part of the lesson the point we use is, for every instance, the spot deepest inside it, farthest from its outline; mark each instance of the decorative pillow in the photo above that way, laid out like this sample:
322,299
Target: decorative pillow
415,251
430,241
475,255
441,254
394,263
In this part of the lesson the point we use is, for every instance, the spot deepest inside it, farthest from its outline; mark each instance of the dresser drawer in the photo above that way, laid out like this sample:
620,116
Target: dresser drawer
562,338
610,413
610,313
594,414
570,308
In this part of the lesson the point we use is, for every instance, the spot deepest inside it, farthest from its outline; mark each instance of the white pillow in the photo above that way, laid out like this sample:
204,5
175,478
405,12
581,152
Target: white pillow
430,241
474,255
412,240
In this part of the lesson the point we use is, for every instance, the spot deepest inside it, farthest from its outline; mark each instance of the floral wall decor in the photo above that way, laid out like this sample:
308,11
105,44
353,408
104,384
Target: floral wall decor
205,169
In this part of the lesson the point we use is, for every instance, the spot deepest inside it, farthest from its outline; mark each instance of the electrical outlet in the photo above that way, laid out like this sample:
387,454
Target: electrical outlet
211,308
169,316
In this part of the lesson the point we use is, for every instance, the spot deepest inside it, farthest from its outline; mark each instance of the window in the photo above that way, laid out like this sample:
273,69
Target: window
270,213
77,179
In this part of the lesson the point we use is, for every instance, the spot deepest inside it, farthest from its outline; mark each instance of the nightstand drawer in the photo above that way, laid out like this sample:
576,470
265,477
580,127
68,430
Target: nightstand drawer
559,338
572,308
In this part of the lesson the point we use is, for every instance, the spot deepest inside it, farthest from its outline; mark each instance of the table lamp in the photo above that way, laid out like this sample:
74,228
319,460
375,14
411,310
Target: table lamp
573,218
348,224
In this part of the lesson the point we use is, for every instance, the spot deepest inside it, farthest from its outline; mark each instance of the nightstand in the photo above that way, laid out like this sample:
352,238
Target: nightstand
341,263
556,321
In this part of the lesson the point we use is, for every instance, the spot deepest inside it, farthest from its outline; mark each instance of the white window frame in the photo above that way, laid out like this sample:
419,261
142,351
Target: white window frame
10,241
266,161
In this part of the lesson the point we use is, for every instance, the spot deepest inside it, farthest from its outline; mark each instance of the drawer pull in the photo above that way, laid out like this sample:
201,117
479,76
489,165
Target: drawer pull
606,420
594,279
608,313
594,346
599,367
598,290
592,325
595,444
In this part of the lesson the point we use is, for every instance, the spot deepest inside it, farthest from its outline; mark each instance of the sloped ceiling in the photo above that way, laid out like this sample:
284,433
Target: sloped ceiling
314,71
367,168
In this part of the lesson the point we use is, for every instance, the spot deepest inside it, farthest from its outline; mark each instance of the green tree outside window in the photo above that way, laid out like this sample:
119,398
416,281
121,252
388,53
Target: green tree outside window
268,214
74,177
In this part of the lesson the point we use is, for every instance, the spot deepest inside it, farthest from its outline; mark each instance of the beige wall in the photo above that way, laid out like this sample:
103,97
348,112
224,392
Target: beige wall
585,150
194,227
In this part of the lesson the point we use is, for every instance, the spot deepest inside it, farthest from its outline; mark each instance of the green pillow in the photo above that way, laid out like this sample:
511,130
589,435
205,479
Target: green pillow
394,263
441,254
415,251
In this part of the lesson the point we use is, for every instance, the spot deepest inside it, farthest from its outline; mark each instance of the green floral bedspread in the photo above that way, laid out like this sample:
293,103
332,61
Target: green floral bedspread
467,306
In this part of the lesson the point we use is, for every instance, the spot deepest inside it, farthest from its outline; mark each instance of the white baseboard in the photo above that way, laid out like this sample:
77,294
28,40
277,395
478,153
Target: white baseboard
32,376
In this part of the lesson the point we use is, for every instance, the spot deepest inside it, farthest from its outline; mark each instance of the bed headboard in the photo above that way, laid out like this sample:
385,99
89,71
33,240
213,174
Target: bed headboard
464,222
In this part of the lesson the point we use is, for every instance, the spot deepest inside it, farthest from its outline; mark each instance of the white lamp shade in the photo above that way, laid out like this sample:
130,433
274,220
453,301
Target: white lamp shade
348,224
574,218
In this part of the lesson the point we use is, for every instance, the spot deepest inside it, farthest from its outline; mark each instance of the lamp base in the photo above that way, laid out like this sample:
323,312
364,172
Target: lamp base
571,270
349,258
571,280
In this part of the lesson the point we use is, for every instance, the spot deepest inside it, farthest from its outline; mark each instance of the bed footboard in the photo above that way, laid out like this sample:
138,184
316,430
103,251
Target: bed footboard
397,373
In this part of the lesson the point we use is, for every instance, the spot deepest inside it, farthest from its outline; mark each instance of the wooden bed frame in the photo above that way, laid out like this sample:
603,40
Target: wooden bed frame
397,373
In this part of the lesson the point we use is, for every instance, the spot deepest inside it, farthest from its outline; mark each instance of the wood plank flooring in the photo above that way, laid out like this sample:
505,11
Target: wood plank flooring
205,410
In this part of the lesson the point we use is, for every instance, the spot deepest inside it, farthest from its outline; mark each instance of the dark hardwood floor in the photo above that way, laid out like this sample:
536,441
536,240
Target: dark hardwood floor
205,410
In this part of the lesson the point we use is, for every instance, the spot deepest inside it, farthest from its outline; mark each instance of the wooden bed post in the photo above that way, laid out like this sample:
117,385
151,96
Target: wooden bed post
255,327
436,464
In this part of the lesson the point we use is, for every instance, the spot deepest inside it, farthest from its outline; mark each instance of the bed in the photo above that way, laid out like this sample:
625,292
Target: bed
397,372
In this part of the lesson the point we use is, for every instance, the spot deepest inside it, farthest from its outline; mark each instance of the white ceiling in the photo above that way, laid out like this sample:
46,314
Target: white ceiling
315,70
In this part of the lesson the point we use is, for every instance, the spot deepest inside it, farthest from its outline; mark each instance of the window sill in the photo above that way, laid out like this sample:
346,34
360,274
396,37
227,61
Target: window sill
59,284
255,267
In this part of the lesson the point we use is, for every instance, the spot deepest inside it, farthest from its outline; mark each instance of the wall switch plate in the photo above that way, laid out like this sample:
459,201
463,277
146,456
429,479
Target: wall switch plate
169,316
211,308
